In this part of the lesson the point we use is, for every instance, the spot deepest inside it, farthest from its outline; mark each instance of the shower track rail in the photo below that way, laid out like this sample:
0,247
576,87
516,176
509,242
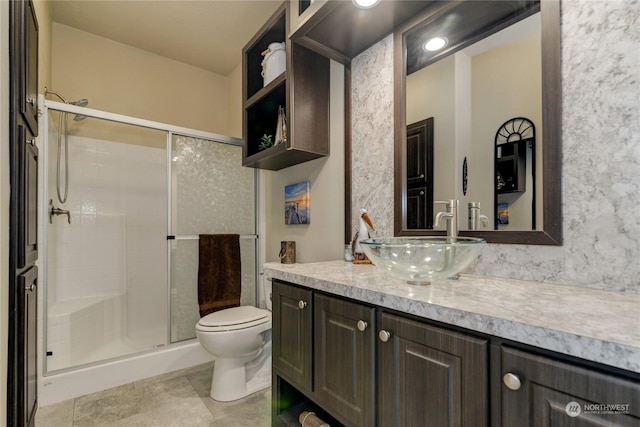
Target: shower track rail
171,130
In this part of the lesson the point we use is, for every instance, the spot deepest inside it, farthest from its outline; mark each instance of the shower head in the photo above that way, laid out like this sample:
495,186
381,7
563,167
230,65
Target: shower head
81,102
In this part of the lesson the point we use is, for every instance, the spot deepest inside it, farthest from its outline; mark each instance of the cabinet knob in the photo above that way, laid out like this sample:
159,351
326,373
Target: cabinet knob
362,325
384,335
421,175
30,288
302,304
512,381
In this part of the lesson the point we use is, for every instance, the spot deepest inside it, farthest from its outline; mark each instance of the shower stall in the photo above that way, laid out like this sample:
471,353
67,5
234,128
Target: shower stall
121,247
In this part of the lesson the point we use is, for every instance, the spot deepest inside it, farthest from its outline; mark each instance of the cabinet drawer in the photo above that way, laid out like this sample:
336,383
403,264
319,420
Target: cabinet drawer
292,334
546,392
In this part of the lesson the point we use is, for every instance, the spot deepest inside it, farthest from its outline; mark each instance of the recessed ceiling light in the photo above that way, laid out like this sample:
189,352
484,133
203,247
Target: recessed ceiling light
365,4
435,43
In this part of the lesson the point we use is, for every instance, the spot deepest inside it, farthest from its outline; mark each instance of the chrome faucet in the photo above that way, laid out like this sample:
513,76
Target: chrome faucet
57,211
450,215
475,218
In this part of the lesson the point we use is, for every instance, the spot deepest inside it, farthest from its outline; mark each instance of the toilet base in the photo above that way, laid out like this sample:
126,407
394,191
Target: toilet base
234,379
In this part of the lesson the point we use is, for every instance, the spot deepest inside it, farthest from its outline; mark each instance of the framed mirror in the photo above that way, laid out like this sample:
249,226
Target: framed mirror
453,155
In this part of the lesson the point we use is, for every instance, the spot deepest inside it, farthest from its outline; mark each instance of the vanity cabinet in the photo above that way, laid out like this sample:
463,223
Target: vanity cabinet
371,367
536,390
302,90
430,373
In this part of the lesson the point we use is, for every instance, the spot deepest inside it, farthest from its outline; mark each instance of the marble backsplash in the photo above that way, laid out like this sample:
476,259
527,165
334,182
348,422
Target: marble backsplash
601,152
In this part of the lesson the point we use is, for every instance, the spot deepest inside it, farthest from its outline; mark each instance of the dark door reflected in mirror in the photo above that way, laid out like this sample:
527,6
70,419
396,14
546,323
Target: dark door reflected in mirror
499,61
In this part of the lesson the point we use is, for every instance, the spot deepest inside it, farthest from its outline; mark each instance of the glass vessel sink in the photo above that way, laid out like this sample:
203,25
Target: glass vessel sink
421,260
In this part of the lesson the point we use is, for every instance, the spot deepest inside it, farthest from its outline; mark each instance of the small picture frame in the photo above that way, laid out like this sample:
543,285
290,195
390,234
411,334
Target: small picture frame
503,213
297,203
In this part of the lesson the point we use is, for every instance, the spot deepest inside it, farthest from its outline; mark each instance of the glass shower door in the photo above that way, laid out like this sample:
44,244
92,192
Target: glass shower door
106,295
211,193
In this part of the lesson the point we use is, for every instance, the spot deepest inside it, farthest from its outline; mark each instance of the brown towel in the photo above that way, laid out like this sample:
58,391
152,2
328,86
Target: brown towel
219,274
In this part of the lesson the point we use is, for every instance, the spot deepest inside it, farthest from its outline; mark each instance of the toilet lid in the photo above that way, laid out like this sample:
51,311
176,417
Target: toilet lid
234,316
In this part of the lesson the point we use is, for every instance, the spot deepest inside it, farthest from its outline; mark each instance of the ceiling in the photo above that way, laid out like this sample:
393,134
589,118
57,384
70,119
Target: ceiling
207,34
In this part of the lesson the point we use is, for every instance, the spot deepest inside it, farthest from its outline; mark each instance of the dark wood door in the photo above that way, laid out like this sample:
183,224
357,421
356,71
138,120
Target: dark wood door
417,209
292,334
429,376
419,185
543,392
344,359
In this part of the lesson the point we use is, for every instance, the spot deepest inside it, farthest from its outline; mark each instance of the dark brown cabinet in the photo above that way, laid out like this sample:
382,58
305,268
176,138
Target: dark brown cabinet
340,30
344,359
23,217
27,218
418,375
511,164
29,64
302,90
535,390
28,285
292,334
430,376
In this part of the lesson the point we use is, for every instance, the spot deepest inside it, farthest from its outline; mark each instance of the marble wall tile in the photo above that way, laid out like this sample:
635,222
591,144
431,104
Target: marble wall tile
601,152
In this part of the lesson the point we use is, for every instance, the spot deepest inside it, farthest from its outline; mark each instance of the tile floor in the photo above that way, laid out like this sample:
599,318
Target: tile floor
175,399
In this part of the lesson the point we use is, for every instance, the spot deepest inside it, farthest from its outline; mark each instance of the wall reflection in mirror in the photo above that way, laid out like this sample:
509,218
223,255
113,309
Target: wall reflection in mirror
467,96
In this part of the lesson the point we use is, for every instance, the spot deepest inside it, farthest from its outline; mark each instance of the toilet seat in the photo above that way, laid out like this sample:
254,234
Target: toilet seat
234,318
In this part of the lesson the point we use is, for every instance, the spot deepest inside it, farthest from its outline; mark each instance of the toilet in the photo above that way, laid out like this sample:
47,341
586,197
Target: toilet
240,340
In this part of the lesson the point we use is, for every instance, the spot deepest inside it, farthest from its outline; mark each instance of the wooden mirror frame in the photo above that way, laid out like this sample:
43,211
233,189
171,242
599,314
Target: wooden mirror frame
551,232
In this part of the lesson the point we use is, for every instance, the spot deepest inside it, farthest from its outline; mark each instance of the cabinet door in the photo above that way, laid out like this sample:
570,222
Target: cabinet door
544,392
29,68
344,352
292,334
27,217
27,308
430,376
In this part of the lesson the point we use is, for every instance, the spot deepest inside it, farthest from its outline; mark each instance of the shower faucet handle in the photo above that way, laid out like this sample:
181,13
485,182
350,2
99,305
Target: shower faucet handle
56,211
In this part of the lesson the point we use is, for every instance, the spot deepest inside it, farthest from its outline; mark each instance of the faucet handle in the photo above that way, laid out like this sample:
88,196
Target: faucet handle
451,203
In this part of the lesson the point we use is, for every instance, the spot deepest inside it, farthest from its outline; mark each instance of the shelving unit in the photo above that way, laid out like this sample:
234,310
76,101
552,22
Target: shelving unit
302,90
511,165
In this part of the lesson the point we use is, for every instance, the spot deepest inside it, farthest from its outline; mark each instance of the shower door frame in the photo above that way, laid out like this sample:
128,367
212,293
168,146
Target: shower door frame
171,131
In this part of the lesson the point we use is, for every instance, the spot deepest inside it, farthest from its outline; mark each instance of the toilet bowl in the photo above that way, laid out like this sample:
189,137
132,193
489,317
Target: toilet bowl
240,340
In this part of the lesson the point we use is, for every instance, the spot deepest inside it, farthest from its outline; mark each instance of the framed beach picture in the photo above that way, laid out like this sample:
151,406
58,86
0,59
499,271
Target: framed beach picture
503,213
297,202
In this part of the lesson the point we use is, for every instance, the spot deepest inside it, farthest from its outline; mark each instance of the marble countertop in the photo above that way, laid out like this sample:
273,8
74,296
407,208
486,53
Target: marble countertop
596,325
